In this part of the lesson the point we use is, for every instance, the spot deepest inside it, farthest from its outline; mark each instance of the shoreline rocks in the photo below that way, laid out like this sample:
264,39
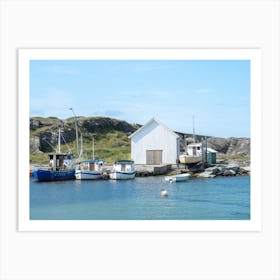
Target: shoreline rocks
224,170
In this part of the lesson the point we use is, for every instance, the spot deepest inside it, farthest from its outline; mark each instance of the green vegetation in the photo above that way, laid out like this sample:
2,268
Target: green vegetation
111,140
46,119
40,118
110,146
41,129
40,158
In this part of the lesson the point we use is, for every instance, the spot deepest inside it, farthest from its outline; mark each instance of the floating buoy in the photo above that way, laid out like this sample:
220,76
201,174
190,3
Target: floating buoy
163,192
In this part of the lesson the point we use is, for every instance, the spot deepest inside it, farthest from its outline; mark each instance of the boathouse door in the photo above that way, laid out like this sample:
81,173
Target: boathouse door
153,157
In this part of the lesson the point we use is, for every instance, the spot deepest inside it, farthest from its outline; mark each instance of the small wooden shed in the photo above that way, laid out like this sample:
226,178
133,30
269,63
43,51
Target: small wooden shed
211,156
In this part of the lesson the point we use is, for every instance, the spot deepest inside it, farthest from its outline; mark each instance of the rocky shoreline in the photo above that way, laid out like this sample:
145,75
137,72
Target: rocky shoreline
221,169
224,170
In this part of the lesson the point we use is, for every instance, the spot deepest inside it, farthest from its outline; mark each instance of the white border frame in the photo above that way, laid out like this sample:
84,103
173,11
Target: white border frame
254,55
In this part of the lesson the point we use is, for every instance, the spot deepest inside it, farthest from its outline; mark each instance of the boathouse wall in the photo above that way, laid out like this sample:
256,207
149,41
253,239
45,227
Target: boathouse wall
154,144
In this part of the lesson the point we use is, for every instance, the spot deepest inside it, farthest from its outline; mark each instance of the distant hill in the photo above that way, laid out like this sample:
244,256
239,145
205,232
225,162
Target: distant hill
111,140
110,137
230,147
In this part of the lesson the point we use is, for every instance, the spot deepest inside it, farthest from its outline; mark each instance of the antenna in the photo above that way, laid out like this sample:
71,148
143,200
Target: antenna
193,129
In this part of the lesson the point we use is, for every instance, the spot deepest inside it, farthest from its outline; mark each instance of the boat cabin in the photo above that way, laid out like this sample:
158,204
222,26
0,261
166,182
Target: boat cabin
124,166
91,165
194,150
61,161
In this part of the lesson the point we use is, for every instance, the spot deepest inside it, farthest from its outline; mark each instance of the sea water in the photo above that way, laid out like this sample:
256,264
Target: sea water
223,198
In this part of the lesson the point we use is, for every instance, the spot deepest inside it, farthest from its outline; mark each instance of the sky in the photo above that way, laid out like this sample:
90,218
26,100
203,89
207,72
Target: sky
213,93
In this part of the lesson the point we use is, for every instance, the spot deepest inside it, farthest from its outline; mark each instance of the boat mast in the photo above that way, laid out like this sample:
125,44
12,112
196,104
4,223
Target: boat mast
59,132
81,150
76,127
92,147
193,130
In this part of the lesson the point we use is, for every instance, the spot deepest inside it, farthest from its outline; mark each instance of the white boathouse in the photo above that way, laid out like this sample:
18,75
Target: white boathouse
154,144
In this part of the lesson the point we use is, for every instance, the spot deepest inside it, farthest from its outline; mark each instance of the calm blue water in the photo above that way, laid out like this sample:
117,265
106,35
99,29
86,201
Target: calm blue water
140,199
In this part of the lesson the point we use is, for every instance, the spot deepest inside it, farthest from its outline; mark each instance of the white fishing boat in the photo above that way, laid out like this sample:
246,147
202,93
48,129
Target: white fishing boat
177,178
90,169
123,170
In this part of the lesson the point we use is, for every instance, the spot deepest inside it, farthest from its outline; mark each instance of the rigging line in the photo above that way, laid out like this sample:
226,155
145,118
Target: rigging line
65,142
50,145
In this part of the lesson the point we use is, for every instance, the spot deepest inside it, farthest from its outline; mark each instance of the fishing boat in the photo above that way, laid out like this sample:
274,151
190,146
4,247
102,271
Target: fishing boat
177,178
90,169
61,166
123,170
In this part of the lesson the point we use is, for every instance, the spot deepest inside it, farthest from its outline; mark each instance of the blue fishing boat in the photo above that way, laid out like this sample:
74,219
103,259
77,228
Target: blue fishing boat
61,167
58,169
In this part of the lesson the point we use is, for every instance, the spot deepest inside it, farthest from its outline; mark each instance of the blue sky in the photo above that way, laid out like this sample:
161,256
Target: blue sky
215,92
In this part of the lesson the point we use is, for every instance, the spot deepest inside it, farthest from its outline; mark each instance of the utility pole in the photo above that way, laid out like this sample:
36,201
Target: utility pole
76,127
204,150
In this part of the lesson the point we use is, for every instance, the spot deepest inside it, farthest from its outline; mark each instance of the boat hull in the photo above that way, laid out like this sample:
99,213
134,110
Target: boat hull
51,175
187,159
177,178
87,175
115,175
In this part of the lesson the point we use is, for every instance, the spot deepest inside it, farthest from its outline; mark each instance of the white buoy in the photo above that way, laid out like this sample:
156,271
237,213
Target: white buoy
163,192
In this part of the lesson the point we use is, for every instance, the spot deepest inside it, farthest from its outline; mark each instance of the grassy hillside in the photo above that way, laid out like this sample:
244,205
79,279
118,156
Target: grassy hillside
111,140
110,144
